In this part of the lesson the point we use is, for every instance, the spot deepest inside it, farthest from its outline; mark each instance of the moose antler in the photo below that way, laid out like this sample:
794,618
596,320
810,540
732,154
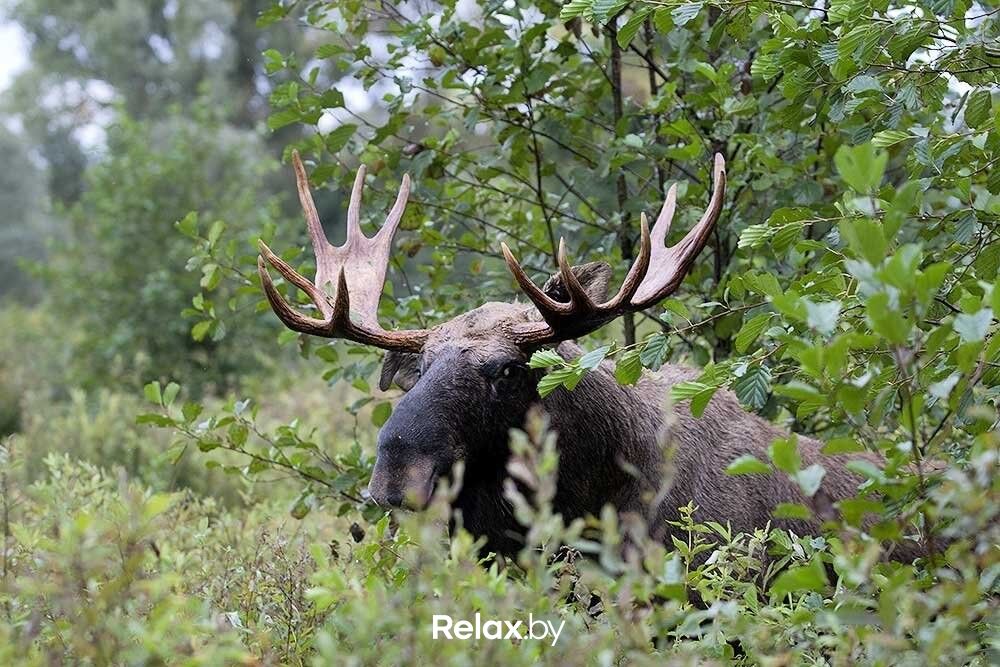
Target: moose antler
364,260
656,273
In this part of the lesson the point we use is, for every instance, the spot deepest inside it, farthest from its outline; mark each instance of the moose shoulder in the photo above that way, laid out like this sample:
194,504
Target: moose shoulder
467,384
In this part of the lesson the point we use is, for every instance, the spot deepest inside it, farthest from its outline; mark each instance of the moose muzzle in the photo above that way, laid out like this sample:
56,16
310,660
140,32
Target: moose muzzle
405,480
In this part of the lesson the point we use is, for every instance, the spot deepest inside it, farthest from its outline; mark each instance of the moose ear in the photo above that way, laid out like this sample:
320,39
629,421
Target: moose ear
594,276
403,368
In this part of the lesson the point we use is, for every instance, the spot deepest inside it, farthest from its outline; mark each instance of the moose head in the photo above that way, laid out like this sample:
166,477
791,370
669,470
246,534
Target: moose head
467,381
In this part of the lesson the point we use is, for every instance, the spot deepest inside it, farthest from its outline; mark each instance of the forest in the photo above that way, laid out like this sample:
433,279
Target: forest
185,481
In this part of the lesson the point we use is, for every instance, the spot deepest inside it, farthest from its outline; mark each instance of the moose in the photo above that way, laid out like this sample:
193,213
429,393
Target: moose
467,383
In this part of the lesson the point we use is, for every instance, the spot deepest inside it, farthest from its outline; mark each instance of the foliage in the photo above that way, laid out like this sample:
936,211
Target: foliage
146,57
99,571
850,290
121,276
30,362
126,575
260,453
850,293
25,224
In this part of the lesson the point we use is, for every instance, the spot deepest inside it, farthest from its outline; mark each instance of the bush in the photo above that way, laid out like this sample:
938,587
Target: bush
32,360
123,574
98,570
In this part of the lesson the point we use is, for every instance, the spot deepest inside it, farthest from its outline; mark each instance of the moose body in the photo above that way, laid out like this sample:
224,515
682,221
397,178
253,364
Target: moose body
616,443
467,384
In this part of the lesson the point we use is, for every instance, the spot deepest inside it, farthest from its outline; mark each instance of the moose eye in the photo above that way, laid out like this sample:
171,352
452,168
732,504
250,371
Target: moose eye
503,370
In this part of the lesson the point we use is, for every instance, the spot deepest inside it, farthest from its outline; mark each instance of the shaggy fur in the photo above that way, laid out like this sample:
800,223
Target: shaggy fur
470,386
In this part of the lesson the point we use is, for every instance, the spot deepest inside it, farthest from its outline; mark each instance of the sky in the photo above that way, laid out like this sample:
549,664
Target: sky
13,52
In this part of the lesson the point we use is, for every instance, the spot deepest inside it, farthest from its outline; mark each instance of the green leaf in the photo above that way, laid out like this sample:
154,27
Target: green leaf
170,393
632,140
593,359
865,468
887,138
886,320
701,400
866,239
785,455
272,14
152,392
822,317
684,13
747,464
191,411
654,351
861,167
755,236
811,577
765,66
188,225
562,377
218,227
605,9
283,118
864,83
750,331
381,413
942,389
698,393
201,329
810,478
977,109
339,137
973,328
753,388
842,445
154,419
575,8
545,359
629,367
628,31
792,511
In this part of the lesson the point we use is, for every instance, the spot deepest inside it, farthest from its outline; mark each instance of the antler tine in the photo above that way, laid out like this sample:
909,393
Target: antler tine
672,263
666,216
316,233
579,300
395,216
294,277
291,318
354,207
638,270
696,238
542,301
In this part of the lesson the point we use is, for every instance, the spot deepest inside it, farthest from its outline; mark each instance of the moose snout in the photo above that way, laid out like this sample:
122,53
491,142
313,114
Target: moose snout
402,480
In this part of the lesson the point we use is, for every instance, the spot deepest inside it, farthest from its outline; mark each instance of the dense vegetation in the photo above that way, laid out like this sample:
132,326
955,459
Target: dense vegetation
180,479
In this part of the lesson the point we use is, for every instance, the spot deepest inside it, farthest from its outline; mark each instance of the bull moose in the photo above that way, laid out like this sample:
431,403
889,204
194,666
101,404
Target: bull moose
467,384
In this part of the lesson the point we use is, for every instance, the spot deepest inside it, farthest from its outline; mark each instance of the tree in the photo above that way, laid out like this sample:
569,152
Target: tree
25,225
120,277
88,61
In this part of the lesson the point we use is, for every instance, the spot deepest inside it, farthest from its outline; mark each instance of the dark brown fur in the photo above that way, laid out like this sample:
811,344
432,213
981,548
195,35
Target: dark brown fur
460,407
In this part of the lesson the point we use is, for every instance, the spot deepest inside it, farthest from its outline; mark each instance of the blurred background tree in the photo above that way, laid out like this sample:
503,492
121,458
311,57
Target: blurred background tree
133,115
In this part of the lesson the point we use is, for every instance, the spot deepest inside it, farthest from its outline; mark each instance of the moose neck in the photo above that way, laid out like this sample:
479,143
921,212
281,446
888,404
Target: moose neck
606,439
607,435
